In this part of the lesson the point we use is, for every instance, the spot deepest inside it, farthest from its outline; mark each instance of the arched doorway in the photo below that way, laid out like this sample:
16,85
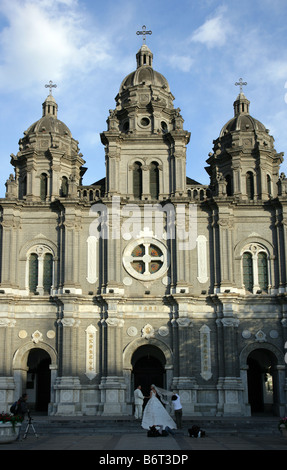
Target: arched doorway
38,383
262,381
148,368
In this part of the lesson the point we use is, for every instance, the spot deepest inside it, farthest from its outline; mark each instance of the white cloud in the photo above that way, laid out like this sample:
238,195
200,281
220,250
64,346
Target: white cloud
213,32
46,39
181,62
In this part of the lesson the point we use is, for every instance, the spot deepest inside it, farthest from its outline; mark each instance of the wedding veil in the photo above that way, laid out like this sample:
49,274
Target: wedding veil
164,394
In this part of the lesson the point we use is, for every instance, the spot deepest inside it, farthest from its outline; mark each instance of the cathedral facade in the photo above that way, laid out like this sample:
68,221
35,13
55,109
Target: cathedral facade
145,276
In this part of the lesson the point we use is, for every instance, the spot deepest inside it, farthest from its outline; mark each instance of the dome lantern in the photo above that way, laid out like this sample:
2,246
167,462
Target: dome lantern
144,56
241,105
50,106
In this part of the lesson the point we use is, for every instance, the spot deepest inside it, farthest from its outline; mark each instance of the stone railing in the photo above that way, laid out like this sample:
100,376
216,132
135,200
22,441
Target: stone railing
194,192
89,193
198,192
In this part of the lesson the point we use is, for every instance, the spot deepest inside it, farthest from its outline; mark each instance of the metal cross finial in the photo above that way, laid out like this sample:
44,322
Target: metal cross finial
50,86
241,84
144,32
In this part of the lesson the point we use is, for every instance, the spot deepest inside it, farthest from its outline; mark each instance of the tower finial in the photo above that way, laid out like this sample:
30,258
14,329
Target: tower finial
144,32
51,85
241,84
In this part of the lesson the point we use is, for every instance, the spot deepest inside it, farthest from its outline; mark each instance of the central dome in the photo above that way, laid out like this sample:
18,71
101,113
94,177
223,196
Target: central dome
144,74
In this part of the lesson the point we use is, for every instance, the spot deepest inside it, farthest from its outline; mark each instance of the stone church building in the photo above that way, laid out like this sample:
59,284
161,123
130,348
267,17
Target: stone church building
145,276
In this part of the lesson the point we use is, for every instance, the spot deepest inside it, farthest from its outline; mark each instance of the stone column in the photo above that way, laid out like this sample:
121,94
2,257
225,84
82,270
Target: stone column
67,387
72,241
113,387
10,226
226,252
175,349
7,383
231,386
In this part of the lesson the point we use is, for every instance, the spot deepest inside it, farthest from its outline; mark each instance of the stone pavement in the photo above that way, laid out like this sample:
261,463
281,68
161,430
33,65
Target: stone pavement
140,441
103,435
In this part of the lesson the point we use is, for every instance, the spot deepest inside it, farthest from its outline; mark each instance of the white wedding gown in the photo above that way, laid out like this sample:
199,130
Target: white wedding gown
155,413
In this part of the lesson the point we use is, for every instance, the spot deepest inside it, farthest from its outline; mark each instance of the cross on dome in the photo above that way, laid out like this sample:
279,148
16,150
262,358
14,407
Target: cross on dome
241,84
144,32
51,85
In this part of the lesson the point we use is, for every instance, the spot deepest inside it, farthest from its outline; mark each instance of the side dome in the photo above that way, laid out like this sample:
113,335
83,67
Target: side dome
242,121
48,131
49,121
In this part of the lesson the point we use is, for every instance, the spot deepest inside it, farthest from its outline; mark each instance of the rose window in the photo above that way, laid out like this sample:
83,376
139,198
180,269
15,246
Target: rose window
146,259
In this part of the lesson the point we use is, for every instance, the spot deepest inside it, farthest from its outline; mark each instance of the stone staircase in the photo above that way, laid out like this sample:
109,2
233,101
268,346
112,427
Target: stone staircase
93,425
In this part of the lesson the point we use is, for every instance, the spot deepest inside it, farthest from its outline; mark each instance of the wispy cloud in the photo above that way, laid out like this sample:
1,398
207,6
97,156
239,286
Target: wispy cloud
46,39
180,62
213,32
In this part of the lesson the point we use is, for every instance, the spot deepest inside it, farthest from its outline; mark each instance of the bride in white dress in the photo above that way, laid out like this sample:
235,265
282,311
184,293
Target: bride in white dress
155,413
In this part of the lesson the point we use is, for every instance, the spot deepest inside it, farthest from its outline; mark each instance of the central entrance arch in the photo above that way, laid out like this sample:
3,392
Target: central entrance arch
148,367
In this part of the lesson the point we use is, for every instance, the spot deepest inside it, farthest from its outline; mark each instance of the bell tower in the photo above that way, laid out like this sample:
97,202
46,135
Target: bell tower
145,141
48,164
244,163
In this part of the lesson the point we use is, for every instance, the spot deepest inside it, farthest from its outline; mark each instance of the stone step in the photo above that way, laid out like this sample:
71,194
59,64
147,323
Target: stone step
98,424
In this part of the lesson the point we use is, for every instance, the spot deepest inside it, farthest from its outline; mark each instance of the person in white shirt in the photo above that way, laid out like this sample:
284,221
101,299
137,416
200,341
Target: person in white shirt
177,410
139,398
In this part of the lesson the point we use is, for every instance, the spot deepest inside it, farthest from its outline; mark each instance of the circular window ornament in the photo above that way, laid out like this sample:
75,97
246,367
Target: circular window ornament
145,121
146,259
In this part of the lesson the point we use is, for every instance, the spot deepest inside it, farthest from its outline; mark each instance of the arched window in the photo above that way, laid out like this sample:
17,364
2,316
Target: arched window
248,272
23,187
250,185
137,180
43,186
255,269
64,187
47,273
229,185
262,271
40,270
154,180
33,272
268,185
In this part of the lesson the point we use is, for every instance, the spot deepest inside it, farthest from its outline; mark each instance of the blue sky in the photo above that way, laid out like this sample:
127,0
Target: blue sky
87,47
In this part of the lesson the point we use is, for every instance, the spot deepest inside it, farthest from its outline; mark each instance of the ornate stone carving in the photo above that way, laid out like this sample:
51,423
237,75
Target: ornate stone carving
91,371
163,331
132,331
205,352
37,337
260,336
147,331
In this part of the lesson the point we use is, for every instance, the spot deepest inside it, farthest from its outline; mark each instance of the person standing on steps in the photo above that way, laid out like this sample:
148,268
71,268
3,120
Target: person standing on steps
139,398
177,410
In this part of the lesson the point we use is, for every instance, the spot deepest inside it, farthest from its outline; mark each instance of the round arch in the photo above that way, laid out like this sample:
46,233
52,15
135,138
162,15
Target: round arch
254,239
160,352
21,355
134,345
21,368
264,345
263,374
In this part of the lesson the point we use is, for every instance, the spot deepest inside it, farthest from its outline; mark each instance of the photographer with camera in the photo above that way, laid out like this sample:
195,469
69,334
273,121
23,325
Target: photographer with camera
22,407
